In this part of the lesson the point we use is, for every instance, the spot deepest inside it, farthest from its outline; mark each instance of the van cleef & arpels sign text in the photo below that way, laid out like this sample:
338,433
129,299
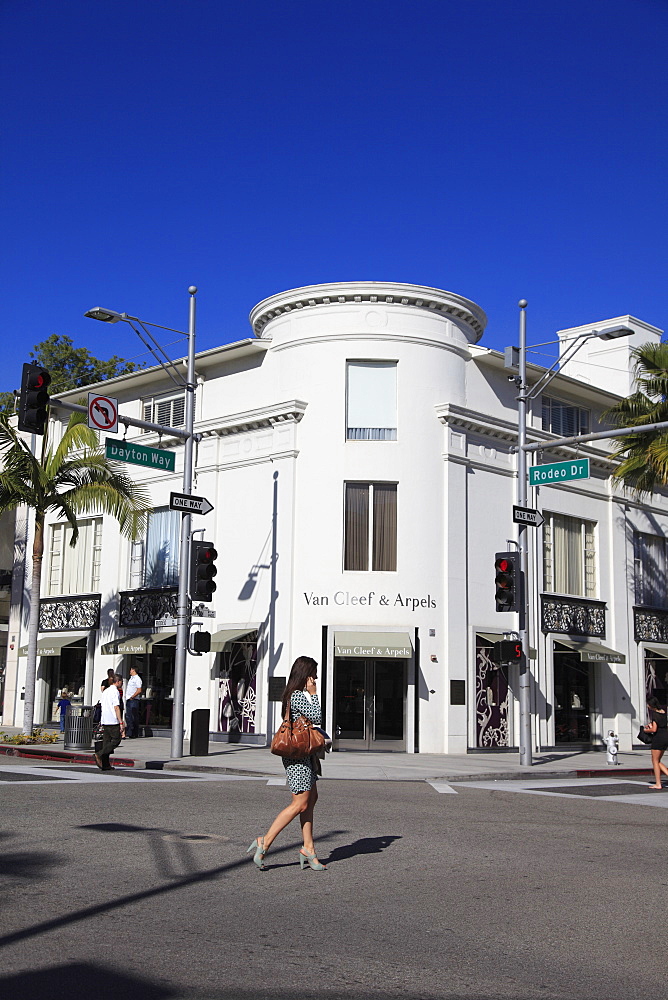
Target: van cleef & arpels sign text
369,599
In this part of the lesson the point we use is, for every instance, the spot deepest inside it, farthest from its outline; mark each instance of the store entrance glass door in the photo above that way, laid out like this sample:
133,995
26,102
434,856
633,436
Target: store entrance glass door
369,704
573,699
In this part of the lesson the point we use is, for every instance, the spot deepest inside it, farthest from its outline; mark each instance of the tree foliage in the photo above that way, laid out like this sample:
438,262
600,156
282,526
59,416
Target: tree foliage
71,367
643,458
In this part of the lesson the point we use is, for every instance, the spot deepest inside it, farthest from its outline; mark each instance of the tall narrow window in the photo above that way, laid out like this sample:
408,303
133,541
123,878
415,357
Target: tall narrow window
651,566
371,406
161,559
75,569
370,532
569,556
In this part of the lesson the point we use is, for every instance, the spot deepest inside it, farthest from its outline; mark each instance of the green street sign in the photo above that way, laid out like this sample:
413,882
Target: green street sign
558,472
140,454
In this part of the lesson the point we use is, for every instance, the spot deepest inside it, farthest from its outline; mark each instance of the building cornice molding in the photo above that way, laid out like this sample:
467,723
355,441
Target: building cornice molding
380,293
443,345
288,412
461,418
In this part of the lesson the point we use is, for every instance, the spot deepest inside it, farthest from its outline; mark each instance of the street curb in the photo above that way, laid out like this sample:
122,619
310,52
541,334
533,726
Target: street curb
39,752
157,765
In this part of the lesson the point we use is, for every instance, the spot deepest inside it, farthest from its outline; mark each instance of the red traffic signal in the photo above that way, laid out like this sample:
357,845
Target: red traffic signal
202,571
34,399
507,581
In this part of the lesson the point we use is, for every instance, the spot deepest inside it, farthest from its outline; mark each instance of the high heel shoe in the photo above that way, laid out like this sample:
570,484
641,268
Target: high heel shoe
306,858
258,853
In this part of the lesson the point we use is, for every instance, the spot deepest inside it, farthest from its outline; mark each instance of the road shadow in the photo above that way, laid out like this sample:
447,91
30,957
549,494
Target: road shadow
26,864
62,982
365,845
75,979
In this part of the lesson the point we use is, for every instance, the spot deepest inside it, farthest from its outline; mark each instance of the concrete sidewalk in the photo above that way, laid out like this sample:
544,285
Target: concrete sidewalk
224,758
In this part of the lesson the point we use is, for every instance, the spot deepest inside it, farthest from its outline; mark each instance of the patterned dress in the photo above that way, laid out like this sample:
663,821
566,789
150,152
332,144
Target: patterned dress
302,772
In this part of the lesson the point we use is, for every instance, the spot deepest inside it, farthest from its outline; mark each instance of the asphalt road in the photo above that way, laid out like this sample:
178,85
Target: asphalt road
141,889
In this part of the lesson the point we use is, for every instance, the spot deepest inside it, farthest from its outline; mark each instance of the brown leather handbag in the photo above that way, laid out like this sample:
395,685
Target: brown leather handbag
297,739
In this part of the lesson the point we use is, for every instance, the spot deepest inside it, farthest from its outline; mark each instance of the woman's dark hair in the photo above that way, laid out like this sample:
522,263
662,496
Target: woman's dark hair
303,668
655,703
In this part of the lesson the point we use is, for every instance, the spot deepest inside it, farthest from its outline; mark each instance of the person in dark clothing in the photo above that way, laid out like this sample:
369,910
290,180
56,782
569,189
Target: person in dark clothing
658,726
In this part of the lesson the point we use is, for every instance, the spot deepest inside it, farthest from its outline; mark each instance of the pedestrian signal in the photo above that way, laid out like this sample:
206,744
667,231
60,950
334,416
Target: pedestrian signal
507,651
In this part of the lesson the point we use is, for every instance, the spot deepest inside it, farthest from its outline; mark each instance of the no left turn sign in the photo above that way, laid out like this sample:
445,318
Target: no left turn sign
102,413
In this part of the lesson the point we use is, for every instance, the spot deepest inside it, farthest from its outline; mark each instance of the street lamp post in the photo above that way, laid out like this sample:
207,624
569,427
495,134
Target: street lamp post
183,610
525,395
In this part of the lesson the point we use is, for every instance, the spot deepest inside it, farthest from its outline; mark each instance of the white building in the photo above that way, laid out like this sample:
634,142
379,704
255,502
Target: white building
357,450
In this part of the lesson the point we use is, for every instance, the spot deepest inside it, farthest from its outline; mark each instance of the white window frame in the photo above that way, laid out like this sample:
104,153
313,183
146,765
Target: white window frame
644,586
153,408
371,433
581,416
59,546
370,487
587,549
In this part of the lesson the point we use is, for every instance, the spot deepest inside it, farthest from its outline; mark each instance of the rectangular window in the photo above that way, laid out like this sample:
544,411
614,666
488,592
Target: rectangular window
371,401
370,527
154,561
569,556
169,411
564,419
650,561
75,570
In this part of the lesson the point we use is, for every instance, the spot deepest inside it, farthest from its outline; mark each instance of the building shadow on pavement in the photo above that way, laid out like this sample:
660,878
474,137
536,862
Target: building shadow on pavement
83,979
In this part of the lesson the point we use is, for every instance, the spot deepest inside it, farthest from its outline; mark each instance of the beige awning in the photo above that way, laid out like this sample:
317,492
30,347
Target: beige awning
141,642
224,635
593,652
51,645
395,645
659,649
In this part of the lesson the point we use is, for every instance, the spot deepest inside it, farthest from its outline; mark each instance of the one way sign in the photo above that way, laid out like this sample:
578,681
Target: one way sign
525,515
188,504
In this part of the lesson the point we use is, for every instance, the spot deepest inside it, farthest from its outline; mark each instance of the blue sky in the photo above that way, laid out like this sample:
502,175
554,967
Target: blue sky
495,149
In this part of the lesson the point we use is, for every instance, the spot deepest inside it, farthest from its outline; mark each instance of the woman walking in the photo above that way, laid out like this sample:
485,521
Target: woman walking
658,726
302,773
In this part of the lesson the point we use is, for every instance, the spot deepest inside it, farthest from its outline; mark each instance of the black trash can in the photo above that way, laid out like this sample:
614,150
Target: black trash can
79,727
199,732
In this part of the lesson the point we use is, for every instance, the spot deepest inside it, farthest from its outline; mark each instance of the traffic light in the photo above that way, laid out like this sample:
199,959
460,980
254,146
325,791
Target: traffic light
508,581
202,571
200,642
34,399
507,651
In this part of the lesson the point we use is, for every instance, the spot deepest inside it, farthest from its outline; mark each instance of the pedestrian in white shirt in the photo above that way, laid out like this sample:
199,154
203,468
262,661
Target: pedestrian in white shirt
132,693
113,726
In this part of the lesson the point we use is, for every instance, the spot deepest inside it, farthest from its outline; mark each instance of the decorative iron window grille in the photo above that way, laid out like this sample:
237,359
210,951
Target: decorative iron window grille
141,607
650,625
572,616
69,614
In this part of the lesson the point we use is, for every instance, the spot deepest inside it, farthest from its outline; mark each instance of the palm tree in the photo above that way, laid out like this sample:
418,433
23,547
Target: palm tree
644,457
73,478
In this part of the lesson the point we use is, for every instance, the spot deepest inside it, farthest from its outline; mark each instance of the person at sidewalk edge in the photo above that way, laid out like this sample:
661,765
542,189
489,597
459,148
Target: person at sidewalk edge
132,693
658,726
302,774
113,727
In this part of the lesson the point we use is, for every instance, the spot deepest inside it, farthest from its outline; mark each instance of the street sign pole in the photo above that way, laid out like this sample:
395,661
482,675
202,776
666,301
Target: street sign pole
522,540
183,626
